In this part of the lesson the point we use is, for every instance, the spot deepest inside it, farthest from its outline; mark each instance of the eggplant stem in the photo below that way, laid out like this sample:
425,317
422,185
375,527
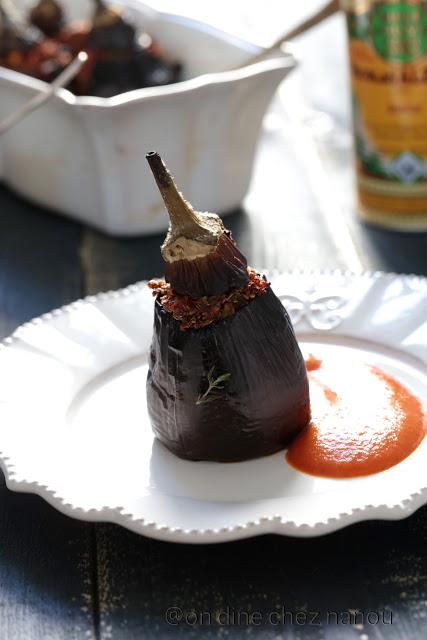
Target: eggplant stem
184,220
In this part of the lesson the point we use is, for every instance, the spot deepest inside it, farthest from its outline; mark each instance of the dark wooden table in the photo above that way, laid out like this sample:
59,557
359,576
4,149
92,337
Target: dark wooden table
65,579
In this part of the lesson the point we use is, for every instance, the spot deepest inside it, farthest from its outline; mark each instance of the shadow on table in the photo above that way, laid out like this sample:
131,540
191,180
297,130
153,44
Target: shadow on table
45,569
332,583
396,251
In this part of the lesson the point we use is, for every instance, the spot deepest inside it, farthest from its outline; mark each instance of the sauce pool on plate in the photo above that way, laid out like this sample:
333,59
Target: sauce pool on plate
363,421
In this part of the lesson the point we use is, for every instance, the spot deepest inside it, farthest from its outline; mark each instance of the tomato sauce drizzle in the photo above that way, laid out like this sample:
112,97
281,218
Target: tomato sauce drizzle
363,421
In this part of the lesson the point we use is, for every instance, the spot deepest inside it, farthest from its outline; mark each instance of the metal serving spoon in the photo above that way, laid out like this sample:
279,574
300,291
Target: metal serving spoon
45,94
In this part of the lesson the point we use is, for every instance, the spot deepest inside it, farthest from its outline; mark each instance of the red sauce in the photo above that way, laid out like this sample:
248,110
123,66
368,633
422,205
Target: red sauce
312,363
363,421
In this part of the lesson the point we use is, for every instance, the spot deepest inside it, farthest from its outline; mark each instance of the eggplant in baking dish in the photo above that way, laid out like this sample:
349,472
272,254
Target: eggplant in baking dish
227,380
120,57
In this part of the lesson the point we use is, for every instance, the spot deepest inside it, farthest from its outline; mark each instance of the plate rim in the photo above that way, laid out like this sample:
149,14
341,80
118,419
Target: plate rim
275,524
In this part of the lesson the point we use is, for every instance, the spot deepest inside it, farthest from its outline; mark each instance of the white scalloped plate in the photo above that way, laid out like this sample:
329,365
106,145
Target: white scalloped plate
74,427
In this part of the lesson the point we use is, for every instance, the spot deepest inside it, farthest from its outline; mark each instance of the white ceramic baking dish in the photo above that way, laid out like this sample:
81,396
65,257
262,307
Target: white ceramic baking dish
84,156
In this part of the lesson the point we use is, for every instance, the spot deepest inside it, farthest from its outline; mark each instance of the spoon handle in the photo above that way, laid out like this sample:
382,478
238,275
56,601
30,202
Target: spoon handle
45,94
328,10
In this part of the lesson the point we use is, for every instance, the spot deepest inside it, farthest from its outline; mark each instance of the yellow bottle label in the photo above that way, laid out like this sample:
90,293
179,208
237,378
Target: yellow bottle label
388,62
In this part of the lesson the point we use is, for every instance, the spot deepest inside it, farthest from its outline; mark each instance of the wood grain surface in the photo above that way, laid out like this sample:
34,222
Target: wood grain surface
46,562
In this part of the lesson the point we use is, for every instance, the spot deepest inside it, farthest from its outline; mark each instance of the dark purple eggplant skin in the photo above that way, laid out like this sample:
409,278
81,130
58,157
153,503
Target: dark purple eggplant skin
223,269
265,402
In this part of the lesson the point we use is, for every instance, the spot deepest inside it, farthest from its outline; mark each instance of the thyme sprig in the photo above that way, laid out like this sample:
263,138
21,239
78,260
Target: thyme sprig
214,384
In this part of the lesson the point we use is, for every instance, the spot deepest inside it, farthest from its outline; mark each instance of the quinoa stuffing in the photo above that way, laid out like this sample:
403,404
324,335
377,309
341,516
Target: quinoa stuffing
196,314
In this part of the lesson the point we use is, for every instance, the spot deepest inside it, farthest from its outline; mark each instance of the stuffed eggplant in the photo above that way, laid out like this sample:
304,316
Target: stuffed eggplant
227,380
